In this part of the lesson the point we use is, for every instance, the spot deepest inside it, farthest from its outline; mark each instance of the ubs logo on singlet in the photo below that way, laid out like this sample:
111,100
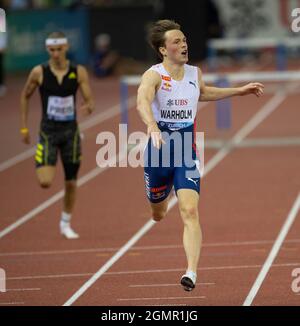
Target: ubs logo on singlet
178,102
170,103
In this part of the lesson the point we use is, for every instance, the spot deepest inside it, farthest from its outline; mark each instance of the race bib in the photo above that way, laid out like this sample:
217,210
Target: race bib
177,118
61,108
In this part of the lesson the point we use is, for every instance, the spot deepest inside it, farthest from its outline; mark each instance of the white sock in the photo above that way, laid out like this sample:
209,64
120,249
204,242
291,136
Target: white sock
192,275
65,218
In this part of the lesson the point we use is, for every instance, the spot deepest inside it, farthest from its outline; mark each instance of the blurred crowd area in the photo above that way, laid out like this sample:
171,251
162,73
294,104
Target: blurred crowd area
110,36
46,4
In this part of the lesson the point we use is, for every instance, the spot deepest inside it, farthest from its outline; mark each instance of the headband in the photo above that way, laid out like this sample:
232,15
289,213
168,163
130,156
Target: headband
56,41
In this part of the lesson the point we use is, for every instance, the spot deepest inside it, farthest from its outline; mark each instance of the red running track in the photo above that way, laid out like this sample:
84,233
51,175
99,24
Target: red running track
245,200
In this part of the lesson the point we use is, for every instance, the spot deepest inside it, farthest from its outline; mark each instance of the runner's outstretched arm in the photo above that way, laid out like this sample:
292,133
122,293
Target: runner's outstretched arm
209,93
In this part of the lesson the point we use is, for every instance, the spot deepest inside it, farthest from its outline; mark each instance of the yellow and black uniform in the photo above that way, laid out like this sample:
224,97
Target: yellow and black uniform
59,129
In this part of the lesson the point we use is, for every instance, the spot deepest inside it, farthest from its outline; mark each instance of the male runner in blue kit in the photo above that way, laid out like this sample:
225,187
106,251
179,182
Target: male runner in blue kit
167,103
58,81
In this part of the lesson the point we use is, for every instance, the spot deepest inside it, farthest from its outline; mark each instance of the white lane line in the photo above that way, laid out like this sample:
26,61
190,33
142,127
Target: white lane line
212,268
257,119
164,285
52,200
270,142
273,253
22,290
44,277
166,298
289,249
16,159
247,243
111,261
133,272
256,142
262,114
106,115
142,248
85,125
31,214
11,303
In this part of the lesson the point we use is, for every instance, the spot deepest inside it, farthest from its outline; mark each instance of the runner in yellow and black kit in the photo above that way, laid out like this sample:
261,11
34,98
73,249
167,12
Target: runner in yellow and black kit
58,81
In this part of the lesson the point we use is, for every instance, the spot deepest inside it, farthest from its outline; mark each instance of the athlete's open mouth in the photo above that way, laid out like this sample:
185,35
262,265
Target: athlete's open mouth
184,52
